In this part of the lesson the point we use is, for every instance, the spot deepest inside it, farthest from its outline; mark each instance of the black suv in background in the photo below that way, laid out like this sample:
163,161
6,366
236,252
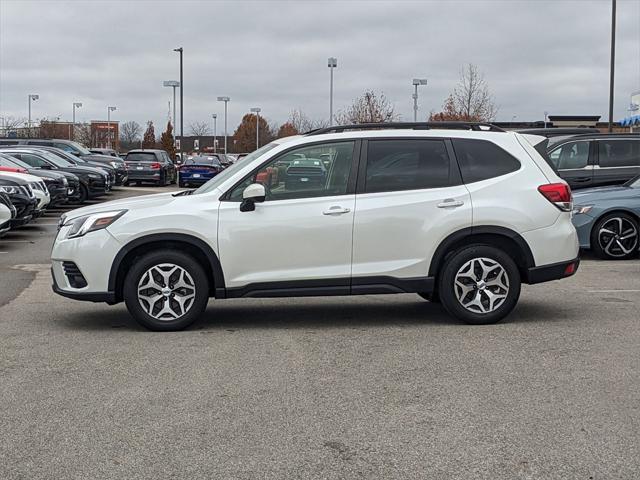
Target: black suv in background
594,160
75,149
82,162
22,198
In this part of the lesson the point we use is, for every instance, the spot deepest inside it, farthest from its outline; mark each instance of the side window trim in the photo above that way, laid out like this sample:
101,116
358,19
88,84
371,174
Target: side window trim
351,181
362,170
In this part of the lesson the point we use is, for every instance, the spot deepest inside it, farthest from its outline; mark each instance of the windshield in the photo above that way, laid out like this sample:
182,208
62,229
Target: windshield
235,167
56,160
13,162
634,182
202,161
80,148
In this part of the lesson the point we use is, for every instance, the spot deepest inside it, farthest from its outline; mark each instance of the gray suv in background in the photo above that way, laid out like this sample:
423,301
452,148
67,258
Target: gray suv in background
595,160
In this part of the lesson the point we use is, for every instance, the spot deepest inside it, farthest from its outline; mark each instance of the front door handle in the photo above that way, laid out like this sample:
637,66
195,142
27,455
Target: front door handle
581,179
450,202
336,210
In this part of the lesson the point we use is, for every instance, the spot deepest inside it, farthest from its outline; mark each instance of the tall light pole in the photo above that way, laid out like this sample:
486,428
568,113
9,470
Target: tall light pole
416,82
613,62
257,110
332,63
215,140
73,127
32,97
173,84
225,100
109,110
179,50
546,114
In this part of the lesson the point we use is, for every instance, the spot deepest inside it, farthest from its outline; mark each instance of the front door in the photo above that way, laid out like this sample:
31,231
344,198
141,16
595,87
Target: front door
301,235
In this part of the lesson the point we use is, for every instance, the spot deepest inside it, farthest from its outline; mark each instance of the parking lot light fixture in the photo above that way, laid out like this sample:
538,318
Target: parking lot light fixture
173,84
109,110
180,51
416,82
73,126
226,101
257,110
332,62
215,122
32,97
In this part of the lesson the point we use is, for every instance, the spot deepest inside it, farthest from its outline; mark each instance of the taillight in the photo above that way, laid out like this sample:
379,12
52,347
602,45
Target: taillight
155,166
559,194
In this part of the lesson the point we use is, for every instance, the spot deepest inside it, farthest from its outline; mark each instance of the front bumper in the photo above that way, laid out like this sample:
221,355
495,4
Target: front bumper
5,227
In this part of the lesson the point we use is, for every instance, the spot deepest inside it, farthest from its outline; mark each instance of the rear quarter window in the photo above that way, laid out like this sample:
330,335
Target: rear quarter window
481,160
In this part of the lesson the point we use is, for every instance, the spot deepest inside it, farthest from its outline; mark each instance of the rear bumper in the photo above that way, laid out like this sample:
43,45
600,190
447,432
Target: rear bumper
554,271
149,176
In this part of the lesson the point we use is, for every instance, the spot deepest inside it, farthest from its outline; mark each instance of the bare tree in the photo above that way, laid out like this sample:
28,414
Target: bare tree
82,134
14,122
130,132
470,100
370,107
302,123
199,129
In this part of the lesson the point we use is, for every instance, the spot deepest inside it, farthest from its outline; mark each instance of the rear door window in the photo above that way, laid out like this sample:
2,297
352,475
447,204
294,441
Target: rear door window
571,156
481,159
397,165
619,153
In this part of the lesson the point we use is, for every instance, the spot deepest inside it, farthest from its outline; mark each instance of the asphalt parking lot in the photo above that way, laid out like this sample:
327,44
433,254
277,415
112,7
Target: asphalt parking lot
359,387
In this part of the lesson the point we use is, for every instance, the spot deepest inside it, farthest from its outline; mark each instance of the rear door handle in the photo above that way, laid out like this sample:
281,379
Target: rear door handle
450,202
336,210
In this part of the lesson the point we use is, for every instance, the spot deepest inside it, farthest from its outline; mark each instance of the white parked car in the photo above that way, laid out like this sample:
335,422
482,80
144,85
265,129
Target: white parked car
37,186
5,219
461,214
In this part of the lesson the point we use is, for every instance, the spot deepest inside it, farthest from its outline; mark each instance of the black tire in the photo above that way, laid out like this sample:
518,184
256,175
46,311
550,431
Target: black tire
600,241
180,184
159,257
448,291
84,194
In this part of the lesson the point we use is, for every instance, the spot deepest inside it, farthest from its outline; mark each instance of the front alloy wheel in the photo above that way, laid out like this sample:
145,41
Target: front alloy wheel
166,290
616,237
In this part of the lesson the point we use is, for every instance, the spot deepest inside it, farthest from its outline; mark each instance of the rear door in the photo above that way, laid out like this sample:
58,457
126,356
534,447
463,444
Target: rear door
409,198
618,160
574,163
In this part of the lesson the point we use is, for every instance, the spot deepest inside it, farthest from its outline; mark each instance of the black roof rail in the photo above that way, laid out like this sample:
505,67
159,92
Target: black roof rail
475,126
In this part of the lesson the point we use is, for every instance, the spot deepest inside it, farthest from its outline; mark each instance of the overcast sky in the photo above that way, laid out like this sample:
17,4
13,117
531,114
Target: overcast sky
536,55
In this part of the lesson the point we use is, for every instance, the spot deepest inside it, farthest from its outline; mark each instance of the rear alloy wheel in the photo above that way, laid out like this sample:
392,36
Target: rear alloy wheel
615,237
166,290
479,284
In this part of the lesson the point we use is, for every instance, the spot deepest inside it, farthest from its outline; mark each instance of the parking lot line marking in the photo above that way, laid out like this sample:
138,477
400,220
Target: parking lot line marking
613,291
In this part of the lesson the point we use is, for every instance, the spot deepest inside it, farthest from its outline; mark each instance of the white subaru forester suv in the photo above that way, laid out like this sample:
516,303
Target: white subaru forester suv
457,213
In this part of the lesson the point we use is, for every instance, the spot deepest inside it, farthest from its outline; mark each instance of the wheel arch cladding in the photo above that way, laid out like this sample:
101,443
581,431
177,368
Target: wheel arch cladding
188,244
509,241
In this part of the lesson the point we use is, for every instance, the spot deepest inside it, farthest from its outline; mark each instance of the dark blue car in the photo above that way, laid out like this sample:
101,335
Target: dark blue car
199,170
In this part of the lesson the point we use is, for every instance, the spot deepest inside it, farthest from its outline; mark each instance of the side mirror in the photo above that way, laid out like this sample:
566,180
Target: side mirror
47,167
252,194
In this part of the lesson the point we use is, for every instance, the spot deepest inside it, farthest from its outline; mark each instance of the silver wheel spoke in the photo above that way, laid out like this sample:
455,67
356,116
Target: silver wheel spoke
166,291
481,292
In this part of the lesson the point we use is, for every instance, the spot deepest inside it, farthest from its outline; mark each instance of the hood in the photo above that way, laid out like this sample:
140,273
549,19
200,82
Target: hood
81,170
590,194
101,158
47,173
131,203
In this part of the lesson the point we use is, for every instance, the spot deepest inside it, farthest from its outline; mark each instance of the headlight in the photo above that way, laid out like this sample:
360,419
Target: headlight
9,189
90,223
579,209
93,175
114,164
